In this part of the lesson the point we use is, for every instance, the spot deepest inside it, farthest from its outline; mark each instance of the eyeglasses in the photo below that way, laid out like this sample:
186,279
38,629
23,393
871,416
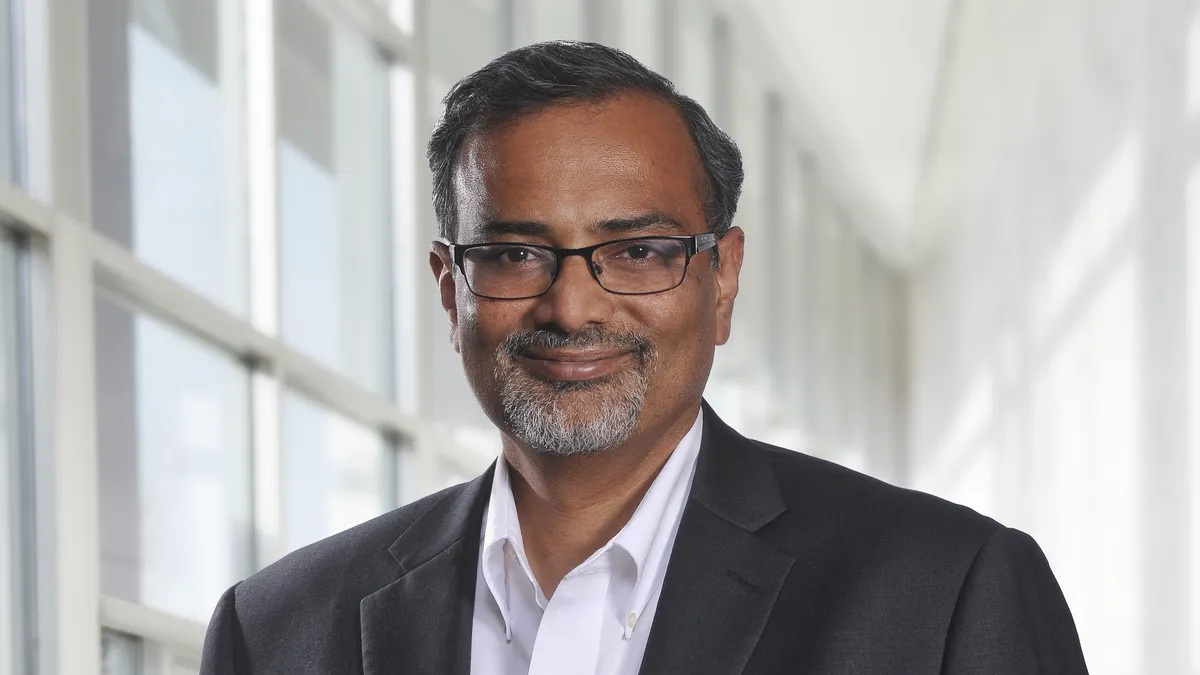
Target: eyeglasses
638,266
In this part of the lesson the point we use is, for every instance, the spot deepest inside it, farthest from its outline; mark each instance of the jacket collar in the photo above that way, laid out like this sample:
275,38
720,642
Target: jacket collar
421,622
734,478
723,578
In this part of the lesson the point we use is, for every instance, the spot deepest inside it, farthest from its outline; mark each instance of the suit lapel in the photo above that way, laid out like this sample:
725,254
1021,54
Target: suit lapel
723,579
421,623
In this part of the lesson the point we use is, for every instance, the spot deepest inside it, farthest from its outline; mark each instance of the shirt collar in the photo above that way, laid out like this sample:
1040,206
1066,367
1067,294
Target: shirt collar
647,537
501,536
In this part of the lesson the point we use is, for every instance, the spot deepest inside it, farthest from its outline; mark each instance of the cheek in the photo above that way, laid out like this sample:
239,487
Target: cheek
483,326
682,330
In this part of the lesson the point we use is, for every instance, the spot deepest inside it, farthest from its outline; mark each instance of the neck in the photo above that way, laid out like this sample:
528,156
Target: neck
569,507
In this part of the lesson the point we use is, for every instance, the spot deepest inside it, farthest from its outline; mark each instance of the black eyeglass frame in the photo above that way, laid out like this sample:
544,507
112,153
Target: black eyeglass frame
693,245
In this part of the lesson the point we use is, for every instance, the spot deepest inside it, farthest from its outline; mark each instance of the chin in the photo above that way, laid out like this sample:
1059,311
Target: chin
568,418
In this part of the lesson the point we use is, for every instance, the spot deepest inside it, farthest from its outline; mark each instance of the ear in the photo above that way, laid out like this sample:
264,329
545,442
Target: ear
732,247
442,266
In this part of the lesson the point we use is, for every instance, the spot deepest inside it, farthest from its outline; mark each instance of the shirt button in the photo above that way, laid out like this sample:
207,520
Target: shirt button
631,621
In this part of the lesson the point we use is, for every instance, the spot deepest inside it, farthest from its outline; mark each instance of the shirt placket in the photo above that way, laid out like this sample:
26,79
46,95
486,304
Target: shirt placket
568,638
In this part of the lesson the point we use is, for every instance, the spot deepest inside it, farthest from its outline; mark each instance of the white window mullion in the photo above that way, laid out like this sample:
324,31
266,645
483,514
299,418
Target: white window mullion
408,282
67,507
66,464
407,278
169,631
266,390
416,386
261,136
266,380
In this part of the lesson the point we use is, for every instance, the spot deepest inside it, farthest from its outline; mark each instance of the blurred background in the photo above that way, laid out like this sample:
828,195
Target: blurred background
972,268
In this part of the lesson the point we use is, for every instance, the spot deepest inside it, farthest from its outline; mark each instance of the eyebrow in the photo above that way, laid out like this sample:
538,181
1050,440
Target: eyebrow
534,228
641,222
496,228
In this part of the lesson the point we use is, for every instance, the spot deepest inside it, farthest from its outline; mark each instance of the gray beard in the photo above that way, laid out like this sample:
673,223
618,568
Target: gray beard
534,415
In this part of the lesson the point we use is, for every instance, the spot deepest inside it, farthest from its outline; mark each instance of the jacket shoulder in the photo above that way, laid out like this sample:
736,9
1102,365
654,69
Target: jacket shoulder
301,614
871,510
344,567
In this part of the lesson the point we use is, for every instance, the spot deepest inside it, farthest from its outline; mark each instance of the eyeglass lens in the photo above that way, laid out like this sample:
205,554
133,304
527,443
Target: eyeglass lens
510,271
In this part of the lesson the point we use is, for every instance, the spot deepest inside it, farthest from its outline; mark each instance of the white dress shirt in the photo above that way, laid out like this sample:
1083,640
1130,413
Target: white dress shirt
599,617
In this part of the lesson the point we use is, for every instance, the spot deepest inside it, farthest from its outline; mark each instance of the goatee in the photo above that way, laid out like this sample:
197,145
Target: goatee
538,412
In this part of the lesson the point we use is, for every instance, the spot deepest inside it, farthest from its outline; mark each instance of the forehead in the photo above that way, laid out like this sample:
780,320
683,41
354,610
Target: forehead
575,164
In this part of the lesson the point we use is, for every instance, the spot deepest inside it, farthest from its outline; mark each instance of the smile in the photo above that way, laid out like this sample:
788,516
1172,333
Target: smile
574,366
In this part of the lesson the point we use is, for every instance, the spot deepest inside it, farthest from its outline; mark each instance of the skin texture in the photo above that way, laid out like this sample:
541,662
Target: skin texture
569,169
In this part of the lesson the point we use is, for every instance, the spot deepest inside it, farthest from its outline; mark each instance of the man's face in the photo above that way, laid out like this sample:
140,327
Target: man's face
578,369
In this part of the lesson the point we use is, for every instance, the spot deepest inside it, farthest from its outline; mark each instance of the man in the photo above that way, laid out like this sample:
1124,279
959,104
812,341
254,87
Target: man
589,272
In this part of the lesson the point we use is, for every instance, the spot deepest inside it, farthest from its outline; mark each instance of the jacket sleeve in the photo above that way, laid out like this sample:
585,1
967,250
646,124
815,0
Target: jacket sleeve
1011,617
222,642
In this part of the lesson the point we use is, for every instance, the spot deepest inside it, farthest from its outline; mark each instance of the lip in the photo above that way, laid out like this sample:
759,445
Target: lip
575,366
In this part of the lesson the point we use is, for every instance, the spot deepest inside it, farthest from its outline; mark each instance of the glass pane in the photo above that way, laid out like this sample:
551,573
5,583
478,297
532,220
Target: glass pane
12,631
120,654
175,495
123,654
336,473
168,138
334,224
7,97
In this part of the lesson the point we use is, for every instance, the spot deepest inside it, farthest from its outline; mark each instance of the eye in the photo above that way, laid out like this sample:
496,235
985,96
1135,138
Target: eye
513,255
639,251
508,255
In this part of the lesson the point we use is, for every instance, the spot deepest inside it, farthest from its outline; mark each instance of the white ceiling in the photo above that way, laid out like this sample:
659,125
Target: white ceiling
862,74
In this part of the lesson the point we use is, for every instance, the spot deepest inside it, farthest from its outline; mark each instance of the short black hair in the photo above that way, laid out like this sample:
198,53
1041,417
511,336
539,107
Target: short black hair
530,79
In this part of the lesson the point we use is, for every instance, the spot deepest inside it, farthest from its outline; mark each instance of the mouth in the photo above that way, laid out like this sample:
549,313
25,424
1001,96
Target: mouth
574,365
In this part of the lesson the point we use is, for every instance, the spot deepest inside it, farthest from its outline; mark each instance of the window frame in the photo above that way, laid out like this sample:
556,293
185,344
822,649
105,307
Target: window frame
70,262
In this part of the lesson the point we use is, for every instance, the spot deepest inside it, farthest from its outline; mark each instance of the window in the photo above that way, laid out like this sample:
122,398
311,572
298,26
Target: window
334,206
222,439
336,472
7,98
167,127
124,654
174,453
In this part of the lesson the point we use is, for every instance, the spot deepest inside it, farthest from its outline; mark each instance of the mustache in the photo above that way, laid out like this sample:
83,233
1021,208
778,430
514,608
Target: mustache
523,343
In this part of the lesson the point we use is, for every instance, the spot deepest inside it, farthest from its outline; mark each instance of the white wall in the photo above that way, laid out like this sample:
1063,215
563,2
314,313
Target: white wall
1049,333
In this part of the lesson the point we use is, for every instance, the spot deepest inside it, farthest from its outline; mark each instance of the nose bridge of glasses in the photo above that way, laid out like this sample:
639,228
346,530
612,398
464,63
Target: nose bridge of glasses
565,256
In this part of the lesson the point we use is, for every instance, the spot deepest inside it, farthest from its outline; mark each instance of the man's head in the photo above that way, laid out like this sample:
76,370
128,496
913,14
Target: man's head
566,146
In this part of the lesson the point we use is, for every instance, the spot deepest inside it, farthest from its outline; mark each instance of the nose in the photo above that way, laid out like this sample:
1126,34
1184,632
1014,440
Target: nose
575,299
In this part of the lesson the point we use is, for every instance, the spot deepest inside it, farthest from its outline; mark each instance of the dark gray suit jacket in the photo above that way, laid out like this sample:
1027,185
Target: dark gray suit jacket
783,564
